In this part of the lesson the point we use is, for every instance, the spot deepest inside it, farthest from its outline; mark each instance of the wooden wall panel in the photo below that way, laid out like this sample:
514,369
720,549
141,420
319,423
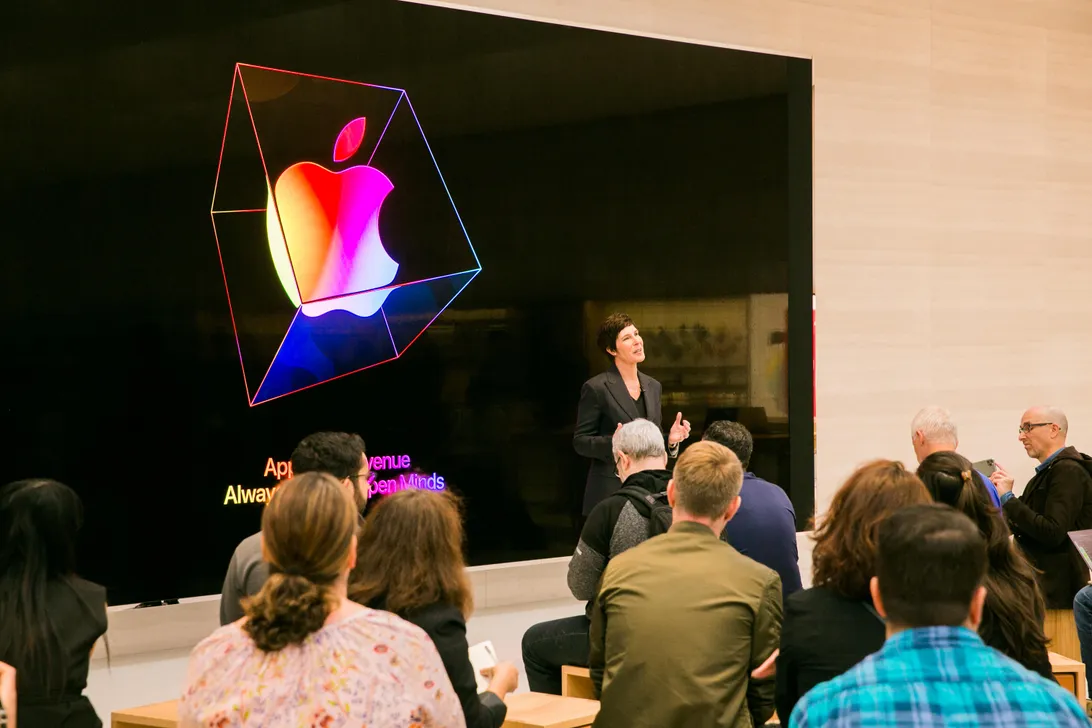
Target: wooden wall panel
953,204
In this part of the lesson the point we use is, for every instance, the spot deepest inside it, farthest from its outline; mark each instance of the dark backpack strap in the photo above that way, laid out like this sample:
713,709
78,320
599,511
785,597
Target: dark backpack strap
641,499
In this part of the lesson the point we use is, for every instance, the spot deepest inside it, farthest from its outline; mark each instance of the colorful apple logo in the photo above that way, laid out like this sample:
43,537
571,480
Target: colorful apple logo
323,233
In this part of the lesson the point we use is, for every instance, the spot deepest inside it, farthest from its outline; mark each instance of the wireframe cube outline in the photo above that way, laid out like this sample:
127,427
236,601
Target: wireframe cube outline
361,321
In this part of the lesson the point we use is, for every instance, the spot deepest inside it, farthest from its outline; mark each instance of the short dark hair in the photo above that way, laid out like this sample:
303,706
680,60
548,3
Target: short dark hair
607,338
930,560
733,436
336,453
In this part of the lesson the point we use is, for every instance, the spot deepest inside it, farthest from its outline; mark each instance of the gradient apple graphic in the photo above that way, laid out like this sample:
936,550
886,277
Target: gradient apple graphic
323,233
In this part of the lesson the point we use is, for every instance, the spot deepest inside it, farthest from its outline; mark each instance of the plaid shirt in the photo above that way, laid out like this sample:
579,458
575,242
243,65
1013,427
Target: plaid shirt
934,677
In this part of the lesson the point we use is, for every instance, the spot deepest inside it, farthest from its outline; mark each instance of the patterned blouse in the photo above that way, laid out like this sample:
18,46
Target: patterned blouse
370,669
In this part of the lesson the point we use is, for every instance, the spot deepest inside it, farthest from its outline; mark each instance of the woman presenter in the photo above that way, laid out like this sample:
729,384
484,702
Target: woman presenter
618,395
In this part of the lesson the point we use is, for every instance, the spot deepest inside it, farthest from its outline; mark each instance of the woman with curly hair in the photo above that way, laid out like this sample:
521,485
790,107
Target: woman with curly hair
304,654
832,626
1012,621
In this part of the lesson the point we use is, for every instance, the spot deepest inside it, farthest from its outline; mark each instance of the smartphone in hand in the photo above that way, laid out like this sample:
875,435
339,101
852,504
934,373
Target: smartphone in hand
986,467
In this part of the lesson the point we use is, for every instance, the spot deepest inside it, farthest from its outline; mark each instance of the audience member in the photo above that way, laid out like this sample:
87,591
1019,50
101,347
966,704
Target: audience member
934,670
933,431
1058,499
305,654
613,526
1012,619
764,528
336,453
834,625
683,619
49,617
411,553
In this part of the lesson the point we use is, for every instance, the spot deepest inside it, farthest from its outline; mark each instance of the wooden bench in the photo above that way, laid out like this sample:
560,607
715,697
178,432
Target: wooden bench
576,682
1070,675
538,710
525,710
156,715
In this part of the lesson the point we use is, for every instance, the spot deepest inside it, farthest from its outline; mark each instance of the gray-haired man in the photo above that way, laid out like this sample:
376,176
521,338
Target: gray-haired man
613,526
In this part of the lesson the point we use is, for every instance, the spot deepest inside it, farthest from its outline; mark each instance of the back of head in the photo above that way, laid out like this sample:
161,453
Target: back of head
336,453
845,542
410,554
930,561
733,436
951,479
639,439
307,536
935,423
39,522
707,477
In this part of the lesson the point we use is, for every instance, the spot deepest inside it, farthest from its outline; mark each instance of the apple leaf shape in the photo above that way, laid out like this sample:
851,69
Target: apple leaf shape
348,141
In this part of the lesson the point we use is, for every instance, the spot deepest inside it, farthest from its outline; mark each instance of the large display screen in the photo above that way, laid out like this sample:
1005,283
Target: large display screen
418,218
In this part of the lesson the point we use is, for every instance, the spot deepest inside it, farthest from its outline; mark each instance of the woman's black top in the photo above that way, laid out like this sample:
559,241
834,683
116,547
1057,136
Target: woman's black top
78,611
446,627
823,634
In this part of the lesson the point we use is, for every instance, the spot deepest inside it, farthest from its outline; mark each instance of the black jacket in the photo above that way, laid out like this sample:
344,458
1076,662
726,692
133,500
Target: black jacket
1057,500
823,635
604,403
446,627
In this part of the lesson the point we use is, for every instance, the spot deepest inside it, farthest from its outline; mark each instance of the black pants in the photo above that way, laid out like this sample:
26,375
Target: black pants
549,645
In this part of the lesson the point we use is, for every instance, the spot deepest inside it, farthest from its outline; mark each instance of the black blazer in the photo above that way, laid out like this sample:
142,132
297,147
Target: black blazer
605,402
823,635
1057,500
446,627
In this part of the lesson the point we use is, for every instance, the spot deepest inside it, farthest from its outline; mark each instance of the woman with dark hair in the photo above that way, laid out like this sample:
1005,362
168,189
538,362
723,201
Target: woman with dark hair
832,626
49,617
411,563
607,401
304,654
1012,620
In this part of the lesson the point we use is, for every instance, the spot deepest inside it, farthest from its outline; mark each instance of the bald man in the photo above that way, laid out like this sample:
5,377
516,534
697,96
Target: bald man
1057,500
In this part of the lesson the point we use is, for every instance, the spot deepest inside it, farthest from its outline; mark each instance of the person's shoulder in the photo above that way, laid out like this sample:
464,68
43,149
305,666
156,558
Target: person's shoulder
227,639
597,381
89,591
249,548
436,615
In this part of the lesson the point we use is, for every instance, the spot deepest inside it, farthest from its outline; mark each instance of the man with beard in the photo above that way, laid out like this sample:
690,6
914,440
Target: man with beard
337,453
614,525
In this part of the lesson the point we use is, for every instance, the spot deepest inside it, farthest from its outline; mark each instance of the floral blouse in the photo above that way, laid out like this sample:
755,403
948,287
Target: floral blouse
370,669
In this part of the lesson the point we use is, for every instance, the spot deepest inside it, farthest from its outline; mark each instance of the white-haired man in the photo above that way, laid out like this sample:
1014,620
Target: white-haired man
933,431
615,524
1057,500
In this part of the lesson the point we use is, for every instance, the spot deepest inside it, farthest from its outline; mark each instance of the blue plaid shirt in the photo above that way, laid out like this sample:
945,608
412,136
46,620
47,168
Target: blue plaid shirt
936,677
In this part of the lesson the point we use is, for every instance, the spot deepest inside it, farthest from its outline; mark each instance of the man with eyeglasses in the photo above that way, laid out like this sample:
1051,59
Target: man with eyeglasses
339,454
1057,500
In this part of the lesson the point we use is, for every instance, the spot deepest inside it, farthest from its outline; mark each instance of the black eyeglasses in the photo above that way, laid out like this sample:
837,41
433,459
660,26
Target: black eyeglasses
1029,426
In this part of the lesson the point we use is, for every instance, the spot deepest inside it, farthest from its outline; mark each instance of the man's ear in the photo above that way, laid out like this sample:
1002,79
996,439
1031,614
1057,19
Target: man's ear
733,508
265,550
671,492
352,553
877,600
978,604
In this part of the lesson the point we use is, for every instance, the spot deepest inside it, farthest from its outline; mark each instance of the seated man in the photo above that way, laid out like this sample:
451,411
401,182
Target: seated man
764,528
337,453
683,619
934,669
613,526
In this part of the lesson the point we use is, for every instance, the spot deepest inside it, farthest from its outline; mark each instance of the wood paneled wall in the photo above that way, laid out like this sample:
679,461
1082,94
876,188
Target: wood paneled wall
953,205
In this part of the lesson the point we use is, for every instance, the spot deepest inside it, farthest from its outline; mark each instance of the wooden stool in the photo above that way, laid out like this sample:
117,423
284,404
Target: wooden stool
1061,629
576,682
156,715
538,710
1070,675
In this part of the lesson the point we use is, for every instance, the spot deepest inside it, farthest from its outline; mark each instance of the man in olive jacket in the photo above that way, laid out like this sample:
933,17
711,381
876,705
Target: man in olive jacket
1057,500
683,619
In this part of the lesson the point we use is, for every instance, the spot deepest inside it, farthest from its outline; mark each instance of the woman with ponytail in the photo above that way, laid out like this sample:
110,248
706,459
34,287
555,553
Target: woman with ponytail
304,655
1012,621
